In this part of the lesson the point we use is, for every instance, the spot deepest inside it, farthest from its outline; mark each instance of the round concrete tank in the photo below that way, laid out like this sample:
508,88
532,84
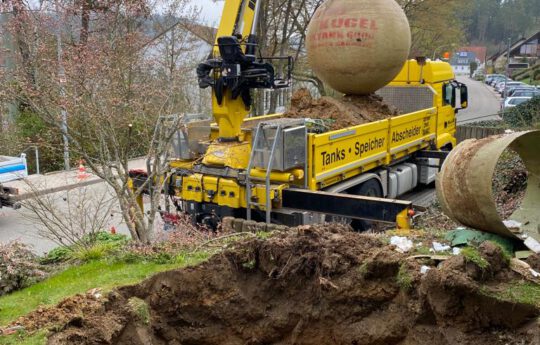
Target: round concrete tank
358,46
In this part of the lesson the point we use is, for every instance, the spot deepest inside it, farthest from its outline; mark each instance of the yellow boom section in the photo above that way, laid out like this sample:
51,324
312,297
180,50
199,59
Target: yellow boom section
237,18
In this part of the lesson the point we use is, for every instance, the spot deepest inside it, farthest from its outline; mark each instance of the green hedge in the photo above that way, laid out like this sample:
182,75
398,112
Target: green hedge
525,115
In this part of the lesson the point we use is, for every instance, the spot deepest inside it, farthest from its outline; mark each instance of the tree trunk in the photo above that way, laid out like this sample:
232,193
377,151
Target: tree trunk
85,21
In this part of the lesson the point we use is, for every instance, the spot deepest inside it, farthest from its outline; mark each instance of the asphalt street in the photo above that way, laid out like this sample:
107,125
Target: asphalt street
22,225
66,195
484,102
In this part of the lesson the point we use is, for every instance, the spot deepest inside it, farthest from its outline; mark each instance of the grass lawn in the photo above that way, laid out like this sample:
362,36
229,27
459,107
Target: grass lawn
38,338
79,279
521,292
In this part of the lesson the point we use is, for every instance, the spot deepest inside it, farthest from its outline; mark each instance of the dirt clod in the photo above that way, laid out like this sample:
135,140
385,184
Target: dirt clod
351,110
69,311
310,285
495,256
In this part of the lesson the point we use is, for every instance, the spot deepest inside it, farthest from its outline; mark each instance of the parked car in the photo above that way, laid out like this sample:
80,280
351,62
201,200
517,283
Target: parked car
526,93
512,92
514,101
498,84
491,77
479,74
501,87
497,79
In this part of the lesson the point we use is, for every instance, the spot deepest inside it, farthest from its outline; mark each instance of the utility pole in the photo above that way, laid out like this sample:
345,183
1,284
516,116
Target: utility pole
507,75
62,80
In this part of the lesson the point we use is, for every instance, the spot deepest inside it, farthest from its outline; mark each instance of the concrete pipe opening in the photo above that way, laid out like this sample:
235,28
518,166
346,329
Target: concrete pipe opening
465,185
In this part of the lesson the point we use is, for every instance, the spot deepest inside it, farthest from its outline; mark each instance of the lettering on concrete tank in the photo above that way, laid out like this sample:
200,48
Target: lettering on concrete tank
345,31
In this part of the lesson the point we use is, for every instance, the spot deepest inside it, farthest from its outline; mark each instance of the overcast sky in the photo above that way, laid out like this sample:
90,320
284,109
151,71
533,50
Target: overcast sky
210,11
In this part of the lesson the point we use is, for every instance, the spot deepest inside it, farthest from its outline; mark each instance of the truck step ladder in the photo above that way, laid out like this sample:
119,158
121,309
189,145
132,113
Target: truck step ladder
266,146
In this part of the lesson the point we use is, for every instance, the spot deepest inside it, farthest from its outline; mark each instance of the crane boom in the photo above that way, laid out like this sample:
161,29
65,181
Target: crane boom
234,70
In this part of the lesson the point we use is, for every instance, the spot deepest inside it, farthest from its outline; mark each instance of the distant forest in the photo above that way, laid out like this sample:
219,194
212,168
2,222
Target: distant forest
492,22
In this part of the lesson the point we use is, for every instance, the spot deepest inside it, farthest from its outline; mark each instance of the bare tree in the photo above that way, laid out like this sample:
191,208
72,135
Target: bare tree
68,218
119,103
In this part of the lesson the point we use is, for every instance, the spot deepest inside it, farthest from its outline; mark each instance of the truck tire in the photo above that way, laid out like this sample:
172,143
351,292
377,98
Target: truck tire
369,188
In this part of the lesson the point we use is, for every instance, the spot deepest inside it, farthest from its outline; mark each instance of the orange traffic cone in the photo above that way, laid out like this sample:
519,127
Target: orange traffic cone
81,173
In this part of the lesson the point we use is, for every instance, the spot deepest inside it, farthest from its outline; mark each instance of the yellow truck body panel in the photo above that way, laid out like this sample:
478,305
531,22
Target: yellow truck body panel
339,155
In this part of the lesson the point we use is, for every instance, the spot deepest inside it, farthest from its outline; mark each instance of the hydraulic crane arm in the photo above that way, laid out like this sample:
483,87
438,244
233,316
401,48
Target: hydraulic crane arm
234,70
240,18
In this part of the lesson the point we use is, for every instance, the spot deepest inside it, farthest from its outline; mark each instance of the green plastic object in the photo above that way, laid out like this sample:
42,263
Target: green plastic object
466,237
523,254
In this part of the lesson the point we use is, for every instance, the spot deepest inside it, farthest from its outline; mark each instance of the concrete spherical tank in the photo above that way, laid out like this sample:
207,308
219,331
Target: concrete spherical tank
358,46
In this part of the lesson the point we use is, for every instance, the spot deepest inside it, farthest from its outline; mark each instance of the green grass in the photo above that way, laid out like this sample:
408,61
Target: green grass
363,269
422,250
96,252
79,279
472,255
520,292
404,278
37,338
141,309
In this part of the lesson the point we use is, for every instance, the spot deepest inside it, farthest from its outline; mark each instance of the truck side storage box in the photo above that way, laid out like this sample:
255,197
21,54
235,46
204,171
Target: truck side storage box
428,174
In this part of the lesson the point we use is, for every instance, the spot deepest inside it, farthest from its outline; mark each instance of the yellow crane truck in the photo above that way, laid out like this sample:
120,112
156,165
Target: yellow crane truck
279,170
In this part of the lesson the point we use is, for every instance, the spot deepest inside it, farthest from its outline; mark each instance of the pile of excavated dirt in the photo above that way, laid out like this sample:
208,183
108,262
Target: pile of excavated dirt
313,285
349,111
65,311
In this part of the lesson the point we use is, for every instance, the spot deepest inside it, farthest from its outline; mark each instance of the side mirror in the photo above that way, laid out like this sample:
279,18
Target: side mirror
464,96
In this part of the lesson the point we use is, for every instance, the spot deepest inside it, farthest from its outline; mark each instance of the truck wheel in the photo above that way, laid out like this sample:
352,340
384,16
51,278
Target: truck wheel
369,188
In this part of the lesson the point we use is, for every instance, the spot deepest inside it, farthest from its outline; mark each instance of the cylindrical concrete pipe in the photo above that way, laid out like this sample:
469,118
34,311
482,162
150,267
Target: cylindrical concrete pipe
464,185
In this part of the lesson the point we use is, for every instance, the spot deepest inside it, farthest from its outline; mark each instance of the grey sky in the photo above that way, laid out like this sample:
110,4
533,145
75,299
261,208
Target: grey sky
210,11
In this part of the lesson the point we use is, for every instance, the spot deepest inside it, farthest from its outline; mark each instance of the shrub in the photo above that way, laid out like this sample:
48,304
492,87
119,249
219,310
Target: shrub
103,237
524,115
57,255
18,267
96,252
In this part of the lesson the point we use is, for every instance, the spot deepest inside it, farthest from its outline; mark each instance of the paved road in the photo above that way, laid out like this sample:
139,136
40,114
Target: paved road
484,103
22,225
66,191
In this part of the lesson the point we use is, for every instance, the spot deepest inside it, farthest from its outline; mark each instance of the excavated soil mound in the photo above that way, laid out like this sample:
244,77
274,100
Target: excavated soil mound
62,313
340,113
312,285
